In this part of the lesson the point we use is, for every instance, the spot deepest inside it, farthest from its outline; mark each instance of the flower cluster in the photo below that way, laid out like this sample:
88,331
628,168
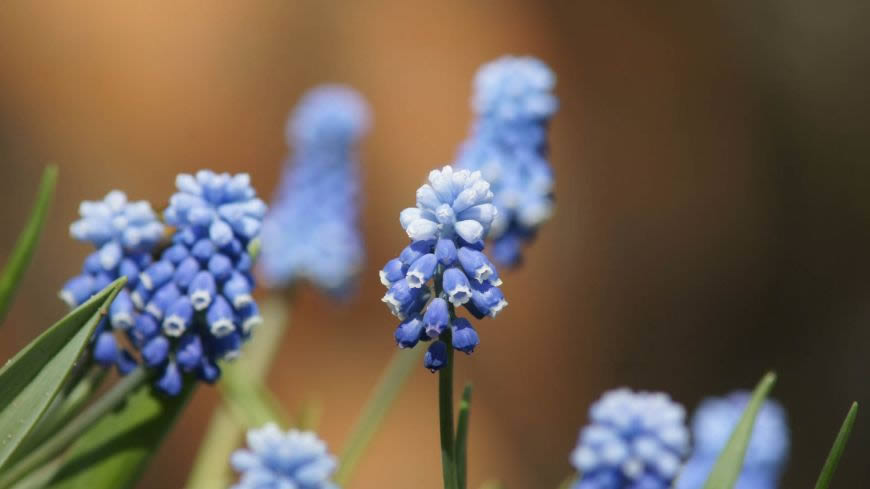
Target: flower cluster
311,231
124,233
514,103
192,305
453,215
634,440
712,425
274,459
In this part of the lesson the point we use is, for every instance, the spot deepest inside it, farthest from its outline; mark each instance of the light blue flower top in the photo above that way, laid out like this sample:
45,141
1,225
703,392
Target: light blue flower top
635,440
447,228
278,460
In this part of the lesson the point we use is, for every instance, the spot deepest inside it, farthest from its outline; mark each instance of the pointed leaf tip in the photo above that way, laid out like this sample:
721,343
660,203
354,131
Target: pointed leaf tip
838,448
730,462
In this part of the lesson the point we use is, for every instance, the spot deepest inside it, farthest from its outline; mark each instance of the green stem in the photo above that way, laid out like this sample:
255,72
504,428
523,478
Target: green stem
69,433
377,406
445,408
462,437
240,382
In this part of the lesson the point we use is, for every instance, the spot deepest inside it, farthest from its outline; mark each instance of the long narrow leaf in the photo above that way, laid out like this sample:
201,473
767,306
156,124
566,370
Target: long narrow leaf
838,448
20,257
31,380
462,437
116,450
727,468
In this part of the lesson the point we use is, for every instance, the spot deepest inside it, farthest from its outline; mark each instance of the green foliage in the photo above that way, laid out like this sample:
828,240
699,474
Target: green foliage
837,450
392,380
114,452
727,468
24,248
462,437
32,379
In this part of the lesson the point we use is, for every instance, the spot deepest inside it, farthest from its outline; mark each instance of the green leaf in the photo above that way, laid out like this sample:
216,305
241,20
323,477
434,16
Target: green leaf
462,437
116,450
838,448
32,379
24,248
730,462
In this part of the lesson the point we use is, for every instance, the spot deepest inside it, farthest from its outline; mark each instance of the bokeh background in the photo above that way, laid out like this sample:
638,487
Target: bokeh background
713,193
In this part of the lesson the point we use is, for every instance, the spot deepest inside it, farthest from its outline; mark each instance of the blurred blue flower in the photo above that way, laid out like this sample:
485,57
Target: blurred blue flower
635,440
193,305
312,232
514,103
766,455
453,215
278,460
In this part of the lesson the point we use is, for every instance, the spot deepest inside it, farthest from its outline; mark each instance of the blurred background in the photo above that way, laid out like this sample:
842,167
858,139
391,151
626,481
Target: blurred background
713,195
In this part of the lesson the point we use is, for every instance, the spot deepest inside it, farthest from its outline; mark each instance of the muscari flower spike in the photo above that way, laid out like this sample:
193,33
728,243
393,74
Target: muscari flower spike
124,234
766,455
279,460
635,440
191,306
312,232
447,229
513,102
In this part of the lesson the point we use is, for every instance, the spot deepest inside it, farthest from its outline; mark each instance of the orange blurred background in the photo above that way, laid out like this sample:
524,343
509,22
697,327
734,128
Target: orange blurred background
713,214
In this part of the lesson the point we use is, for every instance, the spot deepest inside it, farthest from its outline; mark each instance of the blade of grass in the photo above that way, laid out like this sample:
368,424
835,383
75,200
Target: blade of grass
26,244
837,450
462,436
381,399
730,462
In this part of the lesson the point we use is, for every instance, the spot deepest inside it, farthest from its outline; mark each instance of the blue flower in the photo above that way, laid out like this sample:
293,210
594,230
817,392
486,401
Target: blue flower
447,229
634,440
712,424
220,206
312,232
124,234
274,459
514,103
191,305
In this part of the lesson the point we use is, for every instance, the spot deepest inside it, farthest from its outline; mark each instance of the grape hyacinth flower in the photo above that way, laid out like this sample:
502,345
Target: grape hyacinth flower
634,440
124,233
311,232
191,306
274,459
513,102
712,424
447,229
